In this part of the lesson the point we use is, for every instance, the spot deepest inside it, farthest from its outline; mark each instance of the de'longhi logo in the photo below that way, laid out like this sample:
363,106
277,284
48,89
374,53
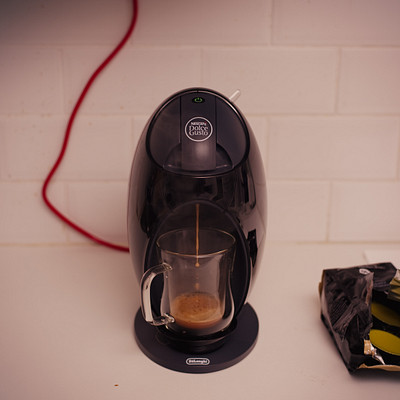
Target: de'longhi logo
198,129
198,361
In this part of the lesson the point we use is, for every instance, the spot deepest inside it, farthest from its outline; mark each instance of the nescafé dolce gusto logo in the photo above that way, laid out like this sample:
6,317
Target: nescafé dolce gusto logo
198,129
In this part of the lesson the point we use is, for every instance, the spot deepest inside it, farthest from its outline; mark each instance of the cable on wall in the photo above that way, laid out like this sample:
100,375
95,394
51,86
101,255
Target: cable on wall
67,134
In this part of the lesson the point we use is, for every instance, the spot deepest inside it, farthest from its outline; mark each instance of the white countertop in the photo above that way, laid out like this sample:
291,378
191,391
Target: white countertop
66,331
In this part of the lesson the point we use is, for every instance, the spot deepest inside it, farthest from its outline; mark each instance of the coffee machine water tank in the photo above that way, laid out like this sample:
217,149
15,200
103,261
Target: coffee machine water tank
198,158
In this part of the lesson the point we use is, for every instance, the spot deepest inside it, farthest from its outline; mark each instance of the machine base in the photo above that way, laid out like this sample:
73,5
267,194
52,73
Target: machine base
236,347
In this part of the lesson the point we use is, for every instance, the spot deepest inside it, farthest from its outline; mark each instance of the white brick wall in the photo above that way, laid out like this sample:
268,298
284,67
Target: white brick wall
320,84
369,81
365,211
275,80
135,83
30,80
333,148
337,22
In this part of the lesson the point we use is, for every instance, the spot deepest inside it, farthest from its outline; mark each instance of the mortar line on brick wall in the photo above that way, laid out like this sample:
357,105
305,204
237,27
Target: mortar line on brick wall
272,44
126,115
398,149
371,114
249,113
338,78
23,114
258,46
90,181
63,85
268,148
329,212
371,47
205,46
60,78
292,179
337,44
325,115
202,62
133,135
272,24
64,181
375,243
49,244
330,115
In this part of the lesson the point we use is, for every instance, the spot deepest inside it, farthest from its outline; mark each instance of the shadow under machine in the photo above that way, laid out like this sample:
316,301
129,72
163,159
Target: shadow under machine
196,226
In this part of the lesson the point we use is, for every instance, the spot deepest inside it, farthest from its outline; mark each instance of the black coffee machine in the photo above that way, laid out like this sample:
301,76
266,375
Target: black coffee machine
198,157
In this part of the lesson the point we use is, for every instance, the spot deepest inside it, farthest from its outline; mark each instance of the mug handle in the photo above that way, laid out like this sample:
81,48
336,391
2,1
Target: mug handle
145,285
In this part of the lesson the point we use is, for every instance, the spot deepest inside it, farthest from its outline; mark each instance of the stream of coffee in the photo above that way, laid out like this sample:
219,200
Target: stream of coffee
197,310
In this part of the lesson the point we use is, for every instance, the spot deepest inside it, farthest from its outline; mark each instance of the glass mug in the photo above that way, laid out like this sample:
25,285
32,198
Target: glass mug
196,267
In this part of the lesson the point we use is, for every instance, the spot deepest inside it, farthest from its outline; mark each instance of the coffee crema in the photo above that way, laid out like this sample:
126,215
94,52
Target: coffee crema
196,310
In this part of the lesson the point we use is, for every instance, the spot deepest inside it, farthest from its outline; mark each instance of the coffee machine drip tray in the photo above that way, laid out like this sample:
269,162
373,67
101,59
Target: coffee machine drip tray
236,346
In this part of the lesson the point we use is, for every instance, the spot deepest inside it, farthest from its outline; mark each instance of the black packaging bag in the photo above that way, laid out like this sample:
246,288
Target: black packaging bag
346,295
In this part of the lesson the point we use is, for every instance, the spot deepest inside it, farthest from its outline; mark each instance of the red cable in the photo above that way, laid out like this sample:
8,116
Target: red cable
68,132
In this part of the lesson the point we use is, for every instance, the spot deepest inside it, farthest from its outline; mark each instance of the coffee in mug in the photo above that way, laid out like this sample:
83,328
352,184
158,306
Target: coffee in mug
196,266
196,310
